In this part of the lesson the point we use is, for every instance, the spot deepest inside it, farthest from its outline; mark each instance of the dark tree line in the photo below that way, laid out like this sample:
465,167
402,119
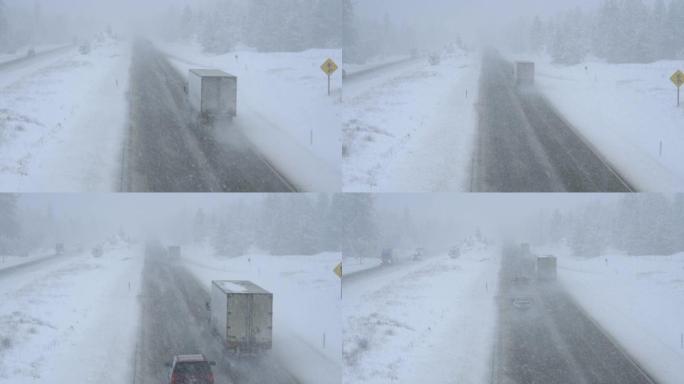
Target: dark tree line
648,224
620,31
266,25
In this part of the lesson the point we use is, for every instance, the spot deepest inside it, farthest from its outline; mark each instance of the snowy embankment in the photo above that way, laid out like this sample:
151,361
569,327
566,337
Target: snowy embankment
427,322
625,111
22,53
77,311
283,108
377,62
63,121
412,128
638,301
306,305
13,260
351,265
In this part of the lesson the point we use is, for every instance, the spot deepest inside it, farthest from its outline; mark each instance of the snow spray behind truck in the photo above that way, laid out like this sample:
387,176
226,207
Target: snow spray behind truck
242,314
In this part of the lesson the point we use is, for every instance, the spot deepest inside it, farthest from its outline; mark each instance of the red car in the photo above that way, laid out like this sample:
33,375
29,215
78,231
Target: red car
191,369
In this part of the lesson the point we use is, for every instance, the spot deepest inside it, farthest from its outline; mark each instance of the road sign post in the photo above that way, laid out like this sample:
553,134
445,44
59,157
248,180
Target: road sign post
678,81
338,272
329,67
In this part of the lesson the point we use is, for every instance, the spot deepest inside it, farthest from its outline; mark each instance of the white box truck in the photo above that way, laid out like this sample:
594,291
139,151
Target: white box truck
212,93
546,268
242,315
524,74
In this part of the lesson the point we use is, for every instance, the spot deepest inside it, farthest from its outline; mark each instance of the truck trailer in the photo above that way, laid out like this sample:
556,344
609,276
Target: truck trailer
524,74
242,315
212,93
546,268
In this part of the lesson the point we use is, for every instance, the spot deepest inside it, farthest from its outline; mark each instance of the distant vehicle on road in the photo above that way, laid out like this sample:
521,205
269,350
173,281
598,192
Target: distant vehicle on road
455,252
191,369
174,251
418,254
525,249
546,268
387,256
242,314
97,251
212,93
84,48
30,53
522,303
524,74
435,59
59,249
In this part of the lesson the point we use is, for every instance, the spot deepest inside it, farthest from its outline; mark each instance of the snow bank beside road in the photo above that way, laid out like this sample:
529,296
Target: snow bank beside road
283,108
306,295
63,122
429,322
351,265
625,111
638,300
78,312
413,131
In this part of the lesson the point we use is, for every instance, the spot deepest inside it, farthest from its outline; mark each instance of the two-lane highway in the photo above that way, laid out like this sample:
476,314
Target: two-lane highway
552,341
524,145
167,149
175,320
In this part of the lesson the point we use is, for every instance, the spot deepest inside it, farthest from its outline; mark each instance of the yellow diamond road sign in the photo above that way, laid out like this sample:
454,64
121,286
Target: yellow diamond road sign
329,67
338,270
678,78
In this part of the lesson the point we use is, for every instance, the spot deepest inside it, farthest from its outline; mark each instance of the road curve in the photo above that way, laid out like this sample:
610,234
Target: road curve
168,151
524,145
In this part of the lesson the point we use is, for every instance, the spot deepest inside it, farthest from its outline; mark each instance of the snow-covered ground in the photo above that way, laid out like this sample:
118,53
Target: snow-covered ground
625,111
23,52
283,108
306,305
63,121
425,322
52,316
411,129
638,301
12,260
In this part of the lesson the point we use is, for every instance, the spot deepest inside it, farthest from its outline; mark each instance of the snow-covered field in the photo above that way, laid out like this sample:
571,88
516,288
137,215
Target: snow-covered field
638,301
63,121
283,108
425,322
23,52
306,305
52,316
625,111
411,129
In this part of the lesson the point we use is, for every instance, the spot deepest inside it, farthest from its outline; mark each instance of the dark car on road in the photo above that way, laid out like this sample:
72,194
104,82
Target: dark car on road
455,252
191,369
387,256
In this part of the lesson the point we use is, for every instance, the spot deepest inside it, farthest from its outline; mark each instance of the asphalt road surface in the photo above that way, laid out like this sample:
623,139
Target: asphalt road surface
168,150
525,146
175,320
552,341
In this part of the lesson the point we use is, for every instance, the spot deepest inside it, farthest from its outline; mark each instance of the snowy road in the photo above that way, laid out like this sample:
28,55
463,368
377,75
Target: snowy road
167,151
174,320
553,341
524,145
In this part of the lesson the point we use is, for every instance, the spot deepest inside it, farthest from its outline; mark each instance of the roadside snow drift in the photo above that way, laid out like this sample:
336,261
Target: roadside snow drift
412,128
422,322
